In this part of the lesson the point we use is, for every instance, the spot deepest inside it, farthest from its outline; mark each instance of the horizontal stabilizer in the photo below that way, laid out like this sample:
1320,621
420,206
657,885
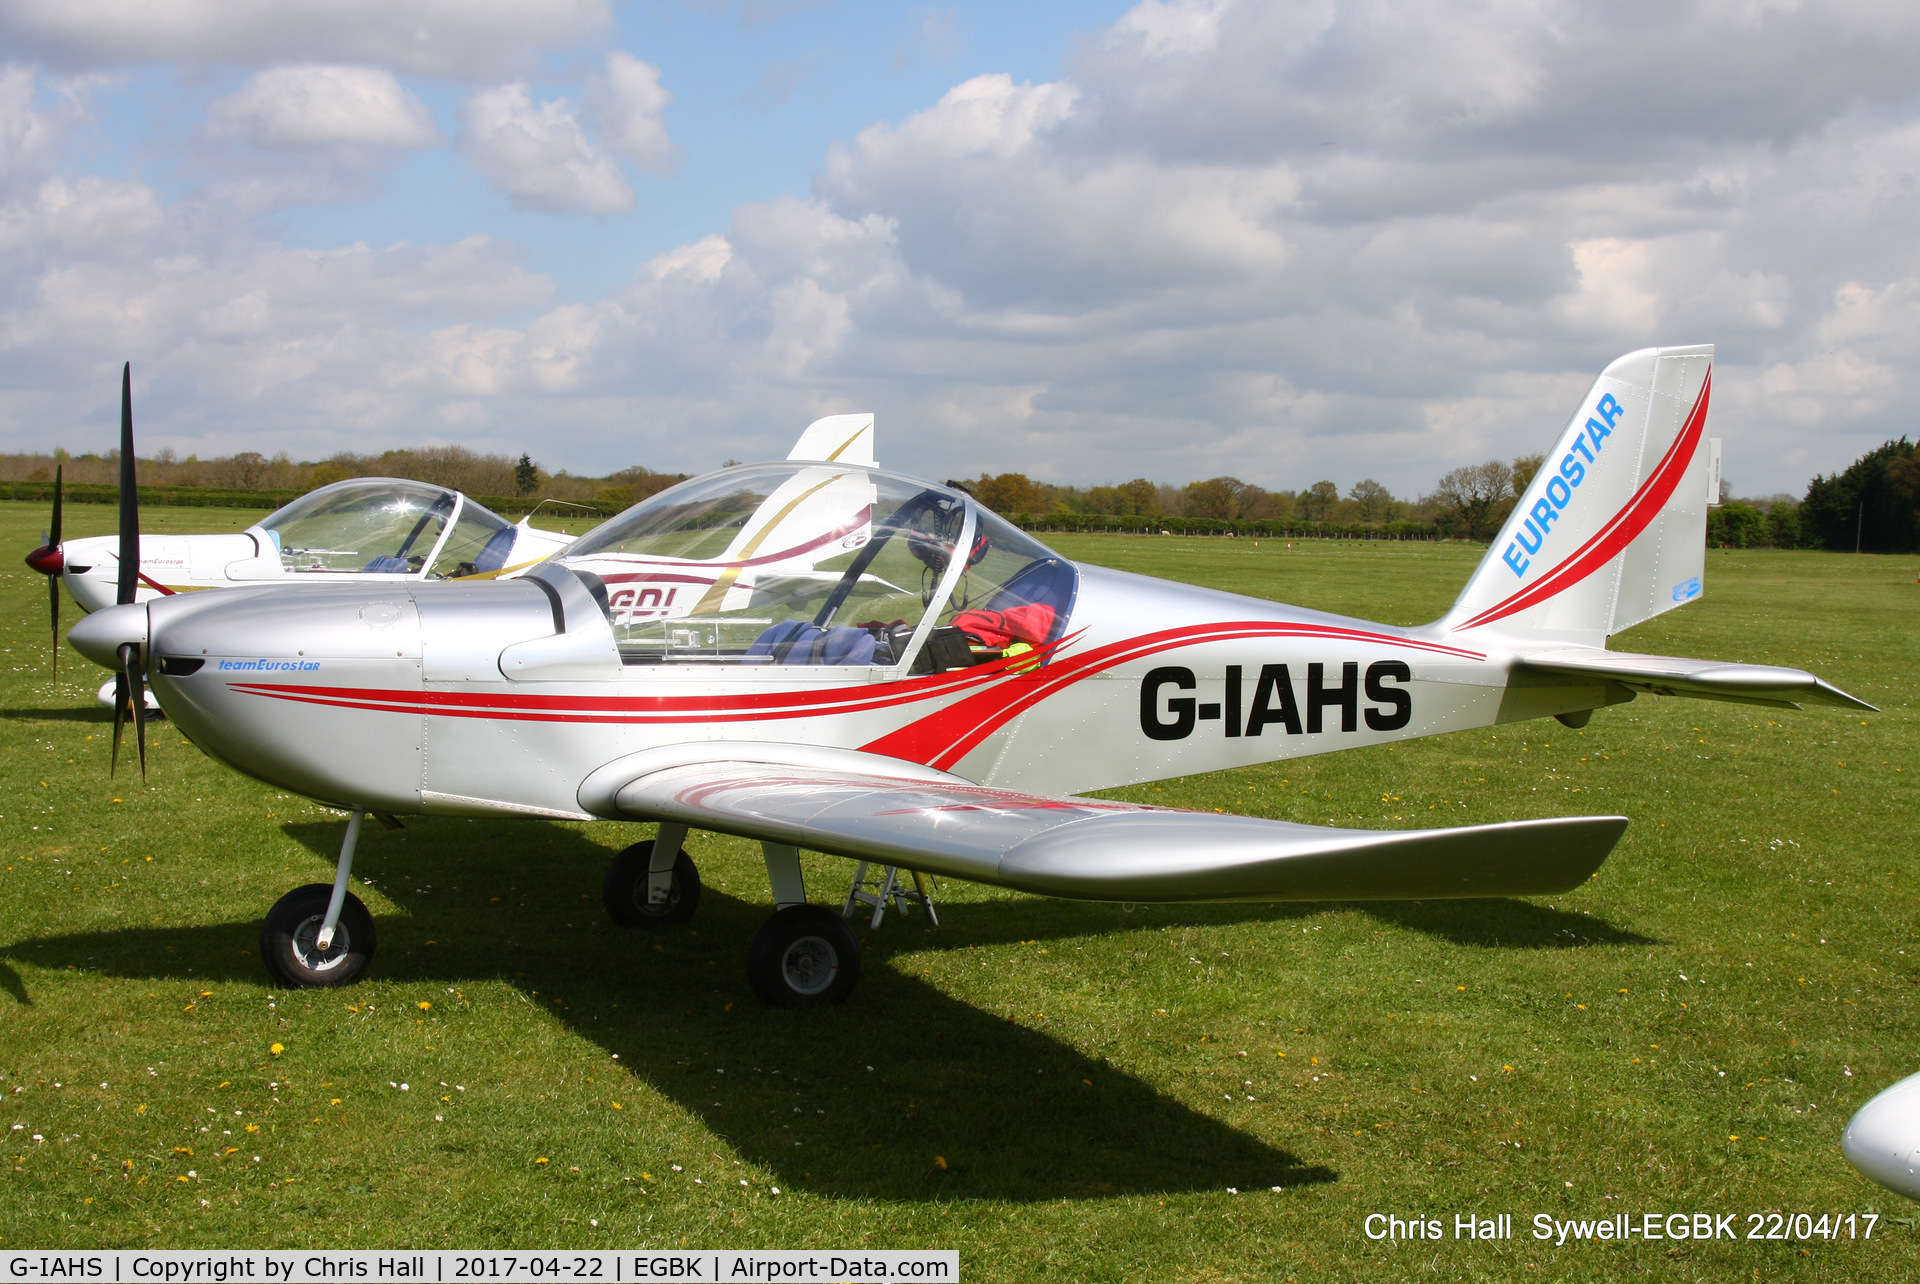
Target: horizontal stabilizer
1703,679
1089,849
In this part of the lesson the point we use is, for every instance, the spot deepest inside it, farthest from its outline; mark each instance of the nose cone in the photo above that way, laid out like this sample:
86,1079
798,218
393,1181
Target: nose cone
99,636
1883,1138
47,560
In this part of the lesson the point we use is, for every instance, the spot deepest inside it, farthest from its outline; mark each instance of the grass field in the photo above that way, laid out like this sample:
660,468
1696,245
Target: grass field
1057,1090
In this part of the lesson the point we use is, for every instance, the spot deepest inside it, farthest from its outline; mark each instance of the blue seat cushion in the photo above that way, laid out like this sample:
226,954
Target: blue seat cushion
387,566
494,555
803,642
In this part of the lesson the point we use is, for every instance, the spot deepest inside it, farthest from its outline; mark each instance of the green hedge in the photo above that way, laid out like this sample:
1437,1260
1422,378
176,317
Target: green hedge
210,497
163,496
1218,526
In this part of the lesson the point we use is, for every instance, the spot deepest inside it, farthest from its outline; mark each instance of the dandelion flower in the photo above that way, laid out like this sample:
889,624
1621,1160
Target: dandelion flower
541,1160
424,1005
277,1049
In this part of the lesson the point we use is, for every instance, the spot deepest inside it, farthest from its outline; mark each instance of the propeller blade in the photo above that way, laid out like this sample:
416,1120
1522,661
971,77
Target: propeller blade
129,495
129,702
137,701
119,706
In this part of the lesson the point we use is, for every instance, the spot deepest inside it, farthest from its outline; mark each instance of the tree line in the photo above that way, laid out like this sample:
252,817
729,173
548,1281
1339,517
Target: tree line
1873,504
499,477
1468,503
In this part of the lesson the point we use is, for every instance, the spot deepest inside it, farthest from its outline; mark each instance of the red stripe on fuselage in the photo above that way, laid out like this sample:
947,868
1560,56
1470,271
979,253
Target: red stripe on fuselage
941,738
853,697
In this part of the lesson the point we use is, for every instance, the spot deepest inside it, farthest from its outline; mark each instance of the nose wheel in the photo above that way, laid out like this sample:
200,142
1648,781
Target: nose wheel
289,939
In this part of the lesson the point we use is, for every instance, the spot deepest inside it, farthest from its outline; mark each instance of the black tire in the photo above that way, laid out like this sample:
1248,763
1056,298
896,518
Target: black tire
286,940
805,956
625,889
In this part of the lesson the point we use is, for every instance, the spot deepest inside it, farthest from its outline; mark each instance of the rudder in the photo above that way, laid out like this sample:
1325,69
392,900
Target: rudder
1612,530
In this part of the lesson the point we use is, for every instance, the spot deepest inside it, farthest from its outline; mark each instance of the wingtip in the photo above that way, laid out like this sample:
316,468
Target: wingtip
1835,696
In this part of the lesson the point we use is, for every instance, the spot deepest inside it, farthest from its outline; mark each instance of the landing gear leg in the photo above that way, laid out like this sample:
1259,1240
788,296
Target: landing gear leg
319,936
805,956
341,869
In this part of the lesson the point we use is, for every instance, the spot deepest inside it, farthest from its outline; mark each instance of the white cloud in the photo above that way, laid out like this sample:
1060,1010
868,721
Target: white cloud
539,155
32,141
627,104
28,139
1284,240
1164,27
304,106
462,39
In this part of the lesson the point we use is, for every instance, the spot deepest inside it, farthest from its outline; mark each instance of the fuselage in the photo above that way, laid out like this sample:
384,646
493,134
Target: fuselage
398,701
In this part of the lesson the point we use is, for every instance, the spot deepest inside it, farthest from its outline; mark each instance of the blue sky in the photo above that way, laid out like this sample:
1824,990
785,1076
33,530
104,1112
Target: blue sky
757,100
1284,240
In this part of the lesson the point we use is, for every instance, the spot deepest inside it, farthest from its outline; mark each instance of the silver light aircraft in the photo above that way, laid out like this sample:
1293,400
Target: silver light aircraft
367,530
370,530
822,654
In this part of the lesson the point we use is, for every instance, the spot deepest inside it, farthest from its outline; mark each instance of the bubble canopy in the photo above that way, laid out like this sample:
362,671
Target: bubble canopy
386,525
821,564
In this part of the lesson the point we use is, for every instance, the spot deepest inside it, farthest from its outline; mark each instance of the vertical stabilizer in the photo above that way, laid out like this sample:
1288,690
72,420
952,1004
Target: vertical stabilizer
1612,531
837,439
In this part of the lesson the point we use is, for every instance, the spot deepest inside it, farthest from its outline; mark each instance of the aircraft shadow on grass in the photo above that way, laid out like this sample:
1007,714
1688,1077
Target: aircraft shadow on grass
83,713
1006,1103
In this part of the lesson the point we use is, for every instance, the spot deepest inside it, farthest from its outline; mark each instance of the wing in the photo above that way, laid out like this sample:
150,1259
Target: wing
1093,850
1762,684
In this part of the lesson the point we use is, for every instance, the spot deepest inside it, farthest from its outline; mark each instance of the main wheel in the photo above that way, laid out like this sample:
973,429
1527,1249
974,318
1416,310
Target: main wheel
625,889
287,939
805,956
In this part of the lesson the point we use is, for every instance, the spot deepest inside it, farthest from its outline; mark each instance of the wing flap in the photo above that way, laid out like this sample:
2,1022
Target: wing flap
1762,684
1088,849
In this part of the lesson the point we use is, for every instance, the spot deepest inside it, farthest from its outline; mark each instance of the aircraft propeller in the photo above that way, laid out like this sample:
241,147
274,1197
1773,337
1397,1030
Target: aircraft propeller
50,561
129,678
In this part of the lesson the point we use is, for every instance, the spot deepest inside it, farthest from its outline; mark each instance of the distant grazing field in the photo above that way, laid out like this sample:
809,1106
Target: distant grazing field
1057,1090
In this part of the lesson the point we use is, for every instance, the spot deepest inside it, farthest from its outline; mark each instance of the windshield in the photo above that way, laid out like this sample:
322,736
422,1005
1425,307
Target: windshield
801,564
383,525
479,544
